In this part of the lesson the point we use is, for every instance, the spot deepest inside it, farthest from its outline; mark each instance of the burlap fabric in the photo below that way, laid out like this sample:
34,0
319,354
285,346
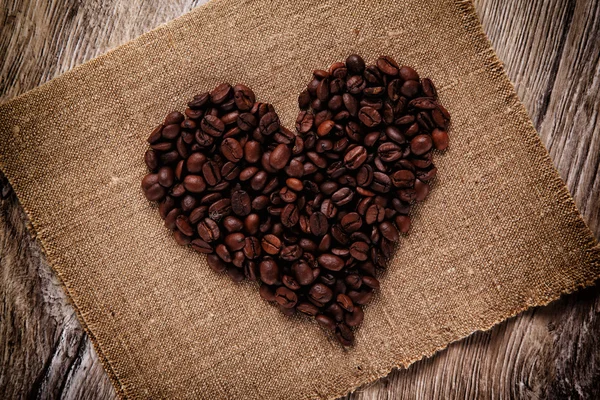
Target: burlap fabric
499,232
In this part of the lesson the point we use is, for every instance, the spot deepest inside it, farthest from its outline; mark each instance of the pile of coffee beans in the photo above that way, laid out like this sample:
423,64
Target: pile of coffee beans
213,169
315,216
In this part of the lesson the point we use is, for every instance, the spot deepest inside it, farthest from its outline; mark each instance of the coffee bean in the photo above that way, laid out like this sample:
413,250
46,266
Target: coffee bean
240,202
351,222
403,179
174,117
244,97
440,139
355,157
201,246
318,224
194,183
220,93
409,88
326,322
355,318
407,74
269,271
211,173
308,309
355,84
289,215
285,297
280,156
212,125
345,302
355,64
235,241
330,262
369,117
232,150
420,144
215,263
421,190
381,182
269,124
209,230
271,244
389,231
320,293
389,152
388,65
344,334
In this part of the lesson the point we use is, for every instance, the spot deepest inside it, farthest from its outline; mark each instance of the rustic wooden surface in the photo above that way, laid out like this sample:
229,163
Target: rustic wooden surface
552,54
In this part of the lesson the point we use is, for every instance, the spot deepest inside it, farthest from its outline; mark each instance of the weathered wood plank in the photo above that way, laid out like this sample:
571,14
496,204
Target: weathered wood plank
551,53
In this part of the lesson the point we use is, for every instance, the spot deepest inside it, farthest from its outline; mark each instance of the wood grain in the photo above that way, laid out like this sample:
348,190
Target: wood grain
552,54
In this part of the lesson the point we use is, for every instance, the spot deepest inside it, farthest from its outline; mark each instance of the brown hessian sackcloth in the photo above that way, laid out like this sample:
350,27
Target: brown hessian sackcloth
498,234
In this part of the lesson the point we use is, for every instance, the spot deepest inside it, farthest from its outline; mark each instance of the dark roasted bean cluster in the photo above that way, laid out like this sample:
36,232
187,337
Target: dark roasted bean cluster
313,217
213,170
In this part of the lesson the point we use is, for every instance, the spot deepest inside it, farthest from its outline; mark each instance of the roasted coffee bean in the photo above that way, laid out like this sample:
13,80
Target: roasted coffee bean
269,271
389,152
355,157
409,88
211,173
252,151
215,263
355,64
285,297
271,244
269,124
318,224
375,213
403,178
303,273
194,184
388,66
220,93
421,190
330,262
351,222
381,182
289,215
212,125
440,139
209,230
232,224
344,334
420,144
241,204
345,302
320,293
244,97
369,117
232,150
235,241
201,246
280,156
308,309
219,209
326,322
355,318
389,231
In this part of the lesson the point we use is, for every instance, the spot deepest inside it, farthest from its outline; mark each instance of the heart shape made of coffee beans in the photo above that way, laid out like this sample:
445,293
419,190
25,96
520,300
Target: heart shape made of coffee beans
312,217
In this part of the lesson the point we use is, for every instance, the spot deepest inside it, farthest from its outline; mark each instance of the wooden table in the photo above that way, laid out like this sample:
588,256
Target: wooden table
552,53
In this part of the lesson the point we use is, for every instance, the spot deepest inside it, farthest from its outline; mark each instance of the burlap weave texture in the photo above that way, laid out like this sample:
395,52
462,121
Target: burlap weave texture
499,232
